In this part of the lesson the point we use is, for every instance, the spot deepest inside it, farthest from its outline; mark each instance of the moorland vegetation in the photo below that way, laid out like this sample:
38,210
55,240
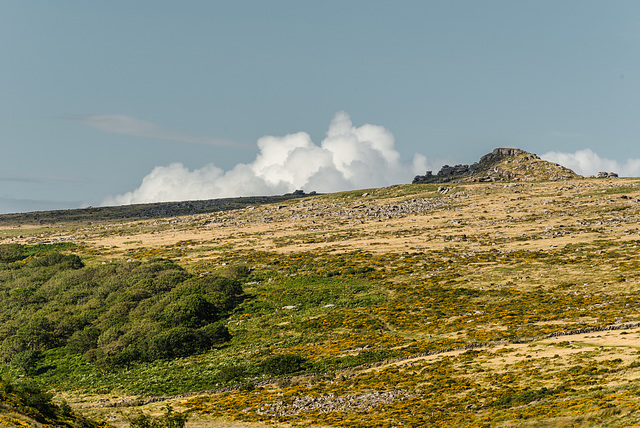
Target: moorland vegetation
470,304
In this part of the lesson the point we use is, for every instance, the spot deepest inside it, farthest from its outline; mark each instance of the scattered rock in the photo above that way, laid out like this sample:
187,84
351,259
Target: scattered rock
333,403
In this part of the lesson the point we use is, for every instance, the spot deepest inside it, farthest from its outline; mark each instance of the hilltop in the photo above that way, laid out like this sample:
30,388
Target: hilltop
142,211
502,164
487,303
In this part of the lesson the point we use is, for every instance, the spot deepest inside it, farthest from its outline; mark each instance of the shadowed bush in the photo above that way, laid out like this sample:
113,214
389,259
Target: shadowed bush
113,314
278,365
170,419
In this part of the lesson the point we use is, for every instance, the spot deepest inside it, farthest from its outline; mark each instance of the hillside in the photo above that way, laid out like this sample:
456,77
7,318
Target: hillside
441,304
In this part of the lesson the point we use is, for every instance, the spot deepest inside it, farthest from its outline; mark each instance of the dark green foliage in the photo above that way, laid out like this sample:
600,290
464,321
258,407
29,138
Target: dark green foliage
182,341
29,399
364,357
83,340
236,271
232,372
282,364
223,293
65,408
189,311
114,314
26,361
62,261
214,334
175,342
527,396
11,253
167,280
247,387
170,419
37,334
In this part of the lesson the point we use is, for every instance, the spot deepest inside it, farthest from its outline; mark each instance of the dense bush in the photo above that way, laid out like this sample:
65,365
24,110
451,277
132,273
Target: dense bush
70,261
214,334
29,399
113,314
83,340
191,311
282,364
26,361
170,419
11,253
175,342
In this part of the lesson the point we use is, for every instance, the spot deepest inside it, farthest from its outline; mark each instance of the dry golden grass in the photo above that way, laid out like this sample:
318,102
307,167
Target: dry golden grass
472,217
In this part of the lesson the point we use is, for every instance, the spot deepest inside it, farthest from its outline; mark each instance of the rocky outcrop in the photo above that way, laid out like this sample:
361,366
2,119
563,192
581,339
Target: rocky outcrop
502,164
604,174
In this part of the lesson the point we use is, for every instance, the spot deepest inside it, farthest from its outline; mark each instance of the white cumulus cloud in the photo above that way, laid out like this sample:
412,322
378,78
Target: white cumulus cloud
587,162
348,158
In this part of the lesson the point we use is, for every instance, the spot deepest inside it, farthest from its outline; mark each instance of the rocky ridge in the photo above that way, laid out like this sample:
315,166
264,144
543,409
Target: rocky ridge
502,164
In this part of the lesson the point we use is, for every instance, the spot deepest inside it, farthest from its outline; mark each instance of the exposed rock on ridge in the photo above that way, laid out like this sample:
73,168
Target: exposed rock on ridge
502,164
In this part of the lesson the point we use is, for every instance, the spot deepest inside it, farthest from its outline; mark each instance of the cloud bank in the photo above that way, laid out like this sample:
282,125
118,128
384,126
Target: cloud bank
348,158
587,162
127,125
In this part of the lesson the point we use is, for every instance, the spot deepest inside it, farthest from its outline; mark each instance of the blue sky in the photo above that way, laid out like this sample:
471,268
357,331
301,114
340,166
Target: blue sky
135,101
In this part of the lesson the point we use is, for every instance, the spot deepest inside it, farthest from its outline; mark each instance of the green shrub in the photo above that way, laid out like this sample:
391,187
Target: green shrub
282,364
232,372
11,253
112,314
28,398
27,361
191,311
170,419
83,340
175,342
168,280
38,333
236,271
61,261
214,334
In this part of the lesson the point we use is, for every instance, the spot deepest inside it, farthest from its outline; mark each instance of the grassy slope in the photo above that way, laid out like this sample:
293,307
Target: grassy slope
393,278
